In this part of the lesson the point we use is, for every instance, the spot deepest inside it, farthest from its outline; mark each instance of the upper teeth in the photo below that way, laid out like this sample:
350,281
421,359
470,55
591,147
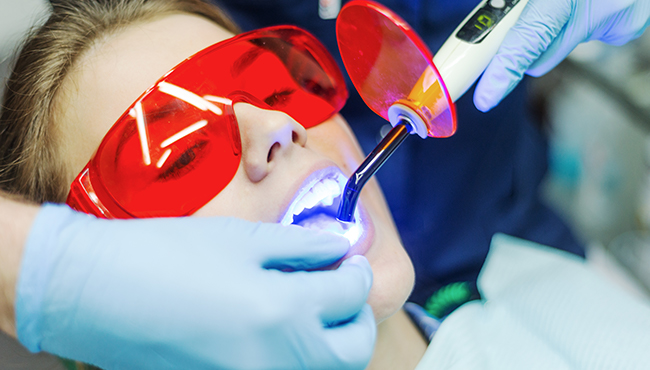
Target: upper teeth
321,193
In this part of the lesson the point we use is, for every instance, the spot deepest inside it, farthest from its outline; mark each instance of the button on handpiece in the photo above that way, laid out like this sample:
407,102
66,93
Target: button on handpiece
498,3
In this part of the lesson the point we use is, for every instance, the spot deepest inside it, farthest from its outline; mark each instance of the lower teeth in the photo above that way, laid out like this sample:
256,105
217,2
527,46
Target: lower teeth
323,222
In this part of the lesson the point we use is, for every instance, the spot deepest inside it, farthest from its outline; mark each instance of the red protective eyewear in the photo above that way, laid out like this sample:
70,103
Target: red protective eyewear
178,145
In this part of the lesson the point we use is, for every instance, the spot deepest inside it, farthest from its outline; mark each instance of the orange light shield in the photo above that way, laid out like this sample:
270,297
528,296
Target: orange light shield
388,63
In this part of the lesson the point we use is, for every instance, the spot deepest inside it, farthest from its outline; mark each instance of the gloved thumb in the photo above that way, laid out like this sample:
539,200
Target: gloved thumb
539,24
297,248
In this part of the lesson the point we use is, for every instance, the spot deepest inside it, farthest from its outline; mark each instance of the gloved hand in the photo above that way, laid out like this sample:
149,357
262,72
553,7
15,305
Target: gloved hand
547,31
191,293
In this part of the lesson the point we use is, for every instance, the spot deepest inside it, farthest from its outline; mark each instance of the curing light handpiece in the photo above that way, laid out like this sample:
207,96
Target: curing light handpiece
370,165
405,121
399,79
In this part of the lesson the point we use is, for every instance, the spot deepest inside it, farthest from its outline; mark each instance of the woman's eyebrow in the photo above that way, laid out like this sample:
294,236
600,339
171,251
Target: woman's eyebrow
245,60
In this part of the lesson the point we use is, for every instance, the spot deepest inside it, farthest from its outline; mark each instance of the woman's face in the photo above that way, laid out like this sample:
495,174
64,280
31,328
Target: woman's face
280,159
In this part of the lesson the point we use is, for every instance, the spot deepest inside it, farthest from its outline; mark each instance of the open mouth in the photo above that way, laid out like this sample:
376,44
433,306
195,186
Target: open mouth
316,204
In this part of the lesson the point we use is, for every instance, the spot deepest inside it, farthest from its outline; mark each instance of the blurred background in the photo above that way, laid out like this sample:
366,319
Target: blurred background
595,108
16,18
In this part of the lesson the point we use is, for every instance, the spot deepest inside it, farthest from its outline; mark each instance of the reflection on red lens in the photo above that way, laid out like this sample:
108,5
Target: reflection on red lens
179,175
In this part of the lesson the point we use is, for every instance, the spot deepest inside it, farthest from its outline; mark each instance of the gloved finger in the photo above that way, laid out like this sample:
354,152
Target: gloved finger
599,26
539,24
340,293
296,248
556,52
353,342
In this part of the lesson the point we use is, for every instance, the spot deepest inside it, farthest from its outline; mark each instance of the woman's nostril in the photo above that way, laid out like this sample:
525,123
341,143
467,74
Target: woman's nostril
295,137
275,147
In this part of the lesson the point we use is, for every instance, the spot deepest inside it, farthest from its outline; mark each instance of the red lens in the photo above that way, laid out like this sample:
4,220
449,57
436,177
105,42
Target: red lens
178,146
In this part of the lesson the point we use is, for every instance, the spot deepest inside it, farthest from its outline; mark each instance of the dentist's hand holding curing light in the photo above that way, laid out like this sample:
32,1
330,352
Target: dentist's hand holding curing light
191,293
547,31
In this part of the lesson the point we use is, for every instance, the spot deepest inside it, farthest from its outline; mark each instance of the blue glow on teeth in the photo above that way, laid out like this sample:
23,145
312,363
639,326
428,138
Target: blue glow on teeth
320,194
316,206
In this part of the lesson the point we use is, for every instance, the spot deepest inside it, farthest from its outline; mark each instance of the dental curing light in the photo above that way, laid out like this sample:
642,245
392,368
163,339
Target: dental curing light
396,75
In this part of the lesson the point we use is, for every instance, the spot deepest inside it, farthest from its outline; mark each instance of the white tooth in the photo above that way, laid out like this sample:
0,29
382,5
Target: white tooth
298,208
328,200
320,189
310,199
332,187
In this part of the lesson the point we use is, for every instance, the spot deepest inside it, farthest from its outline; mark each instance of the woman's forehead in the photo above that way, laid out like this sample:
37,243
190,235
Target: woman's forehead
123,66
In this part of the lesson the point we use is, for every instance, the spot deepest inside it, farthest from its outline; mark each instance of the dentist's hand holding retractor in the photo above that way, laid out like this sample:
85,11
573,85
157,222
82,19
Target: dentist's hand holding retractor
184,293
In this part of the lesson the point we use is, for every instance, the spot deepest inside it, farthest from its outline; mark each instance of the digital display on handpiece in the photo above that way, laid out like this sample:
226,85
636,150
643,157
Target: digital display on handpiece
484,20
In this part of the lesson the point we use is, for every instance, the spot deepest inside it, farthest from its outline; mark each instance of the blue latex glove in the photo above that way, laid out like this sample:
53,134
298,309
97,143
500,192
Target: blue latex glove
547,31
191,293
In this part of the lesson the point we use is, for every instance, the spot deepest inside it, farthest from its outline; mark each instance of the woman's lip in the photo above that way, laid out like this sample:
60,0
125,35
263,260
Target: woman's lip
368,233
365,241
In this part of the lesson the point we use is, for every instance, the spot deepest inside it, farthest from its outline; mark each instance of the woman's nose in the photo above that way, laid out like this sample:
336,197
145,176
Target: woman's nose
268,136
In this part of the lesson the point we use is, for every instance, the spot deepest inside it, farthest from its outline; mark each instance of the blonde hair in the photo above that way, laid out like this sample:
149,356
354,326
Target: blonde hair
29,164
